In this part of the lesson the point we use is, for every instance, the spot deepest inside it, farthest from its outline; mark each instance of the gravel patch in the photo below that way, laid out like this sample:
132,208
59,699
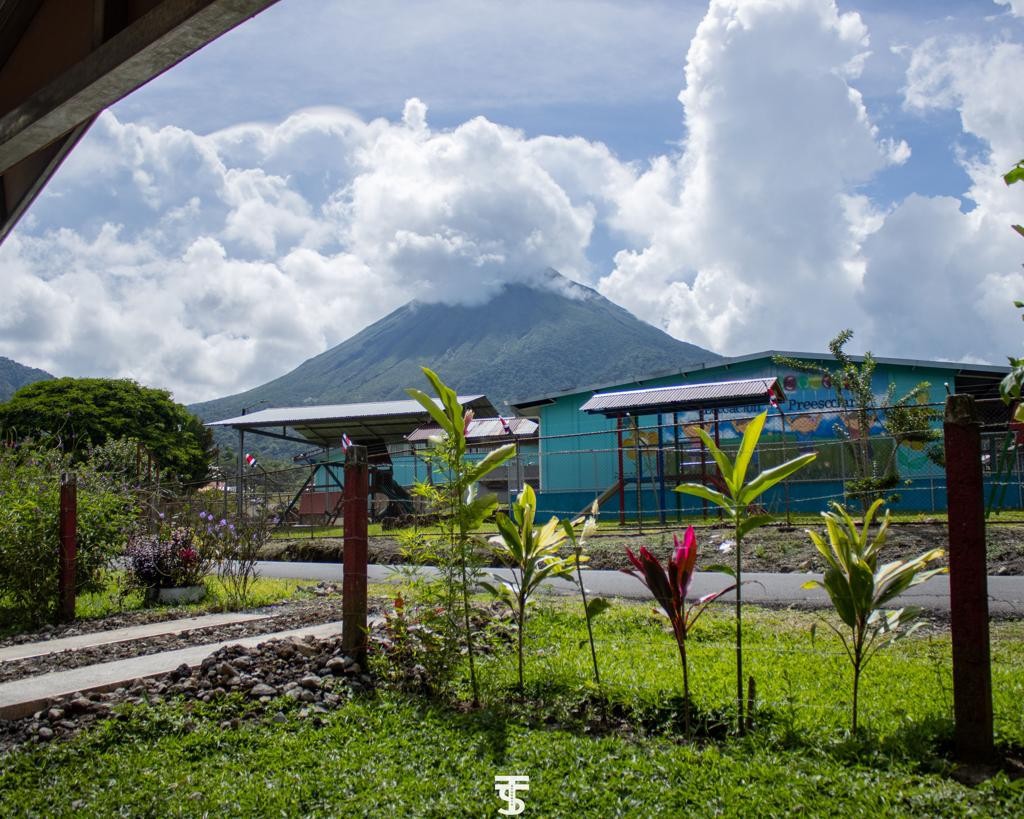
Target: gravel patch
313,673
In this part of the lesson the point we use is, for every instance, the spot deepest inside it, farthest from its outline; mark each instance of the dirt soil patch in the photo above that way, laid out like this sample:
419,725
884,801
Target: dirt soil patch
776,548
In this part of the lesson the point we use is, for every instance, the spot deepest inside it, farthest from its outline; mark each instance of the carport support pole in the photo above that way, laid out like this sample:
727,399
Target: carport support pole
679,466
639,476
622,474
241,474
968,582
661,473
353,589
68,546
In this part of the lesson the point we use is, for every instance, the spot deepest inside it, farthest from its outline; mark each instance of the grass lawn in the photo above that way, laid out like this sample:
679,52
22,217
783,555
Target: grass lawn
112,598
393,754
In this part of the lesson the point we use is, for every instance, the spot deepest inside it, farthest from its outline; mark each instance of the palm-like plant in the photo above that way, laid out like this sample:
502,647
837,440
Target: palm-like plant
669,588
532,555
736,501
859,589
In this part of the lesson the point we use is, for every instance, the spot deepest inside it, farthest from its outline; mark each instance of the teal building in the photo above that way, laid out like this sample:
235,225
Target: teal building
582,456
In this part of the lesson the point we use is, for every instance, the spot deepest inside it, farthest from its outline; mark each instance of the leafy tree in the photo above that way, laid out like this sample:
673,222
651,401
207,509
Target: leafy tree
903,418
75,414
670,586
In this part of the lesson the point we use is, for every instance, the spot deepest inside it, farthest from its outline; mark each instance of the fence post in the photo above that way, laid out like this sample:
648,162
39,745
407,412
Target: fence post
968,582
353,590
68,546
622,474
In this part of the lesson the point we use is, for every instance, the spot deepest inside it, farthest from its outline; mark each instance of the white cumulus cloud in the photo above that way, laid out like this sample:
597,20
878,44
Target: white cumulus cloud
220,261
753,232
211,262
941,278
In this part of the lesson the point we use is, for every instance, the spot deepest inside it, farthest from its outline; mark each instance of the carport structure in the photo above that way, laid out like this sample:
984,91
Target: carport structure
484,435
701,398
373,425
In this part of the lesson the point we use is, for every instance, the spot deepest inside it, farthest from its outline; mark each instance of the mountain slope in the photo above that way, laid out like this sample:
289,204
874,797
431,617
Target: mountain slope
14,376
528,341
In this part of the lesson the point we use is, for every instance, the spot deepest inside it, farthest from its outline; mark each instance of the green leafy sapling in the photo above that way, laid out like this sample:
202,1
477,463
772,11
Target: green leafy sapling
736,503
532,556
859,589
461,507
1010,388
594,606
669,587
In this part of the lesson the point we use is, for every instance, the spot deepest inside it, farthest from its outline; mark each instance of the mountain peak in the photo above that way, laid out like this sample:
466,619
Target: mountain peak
543,334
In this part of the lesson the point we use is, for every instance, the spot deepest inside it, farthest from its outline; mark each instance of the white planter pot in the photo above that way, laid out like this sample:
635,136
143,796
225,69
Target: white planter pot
181,594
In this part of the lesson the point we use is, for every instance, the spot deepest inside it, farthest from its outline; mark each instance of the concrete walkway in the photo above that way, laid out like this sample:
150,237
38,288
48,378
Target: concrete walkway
19,698
123,635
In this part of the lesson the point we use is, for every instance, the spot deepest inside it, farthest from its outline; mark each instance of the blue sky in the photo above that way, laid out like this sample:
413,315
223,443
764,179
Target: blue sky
742,173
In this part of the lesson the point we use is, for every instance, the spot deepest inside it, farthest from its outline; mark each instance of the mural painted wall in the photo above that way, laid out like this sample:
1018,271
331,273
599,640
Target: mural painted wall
579,452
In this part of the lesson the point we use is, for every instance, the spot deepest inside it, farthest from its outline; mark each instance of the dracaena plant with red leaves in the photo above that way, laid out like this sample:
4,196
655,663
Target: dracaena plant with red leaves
669,587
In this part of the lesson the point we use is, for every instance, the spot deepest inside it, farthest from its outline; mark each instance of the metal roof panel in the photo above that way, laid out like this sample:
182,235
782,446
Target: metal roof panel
711,395
481,428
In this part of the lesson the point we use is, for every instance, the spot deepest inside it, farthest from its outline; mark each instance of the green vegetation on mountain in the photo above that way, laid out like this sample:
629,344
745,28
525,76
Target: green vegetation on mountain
14,376
528,341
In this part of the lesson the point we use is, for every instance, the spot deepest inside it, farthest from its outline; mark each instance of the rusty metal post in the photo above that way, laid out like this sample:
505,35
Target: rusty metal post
703,468
638,455
968,582
622,474
68,547
353,590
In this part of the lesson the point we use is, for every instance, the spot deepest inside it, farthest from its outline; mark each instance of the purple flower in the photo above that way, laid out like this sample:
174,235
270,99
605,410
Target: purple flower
223,522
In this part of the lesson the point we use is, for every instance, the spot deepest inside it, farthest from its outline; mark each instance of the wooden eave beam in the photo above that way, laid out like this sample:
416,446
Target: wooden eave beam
147,47
25,181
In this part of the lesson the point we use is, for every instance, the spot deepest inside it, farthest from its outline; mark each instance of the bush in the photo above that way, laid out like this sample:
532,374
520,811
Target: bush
235,550
168,559
29,529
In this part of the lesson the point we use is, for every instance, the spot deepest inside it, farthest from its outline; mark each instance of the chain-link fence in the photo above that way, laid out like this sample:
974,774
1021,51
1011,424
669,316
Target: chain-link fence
633,469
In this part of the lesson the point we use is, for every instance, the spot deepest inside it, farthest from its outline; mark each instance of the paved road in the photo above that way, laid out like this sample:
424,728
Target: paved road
1006,594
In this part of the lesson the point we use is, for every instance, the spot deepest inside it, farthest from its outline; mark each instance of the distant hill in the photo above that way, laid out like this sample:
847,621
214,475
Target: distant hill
527,341
14,376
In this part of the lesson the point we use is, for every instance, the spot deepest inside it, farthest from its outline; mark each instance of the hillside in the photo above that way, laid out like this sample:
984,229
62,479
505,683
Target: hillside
14,376
527,341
